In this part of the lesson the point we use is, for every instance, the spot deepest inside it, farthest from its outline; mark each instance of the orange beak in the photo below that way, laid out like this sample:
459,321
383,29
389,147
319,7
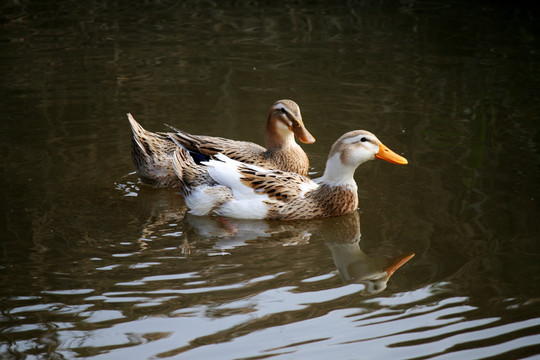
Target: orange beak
302,134
397,262
386,154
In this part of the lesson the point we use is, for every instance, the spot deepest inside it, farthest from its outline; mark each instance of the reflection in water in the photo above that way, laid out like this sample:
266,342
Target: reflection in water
231,233
161,209
355,266
342,236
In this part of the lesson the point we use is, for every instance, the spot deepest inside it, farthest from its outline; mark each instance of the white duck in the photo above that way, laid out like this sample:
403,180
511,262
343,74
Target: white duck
226,187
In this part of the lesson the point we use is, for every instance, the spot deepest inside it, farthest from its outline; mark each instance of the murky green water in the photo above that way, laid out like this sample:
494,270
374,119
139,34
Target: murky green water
94,264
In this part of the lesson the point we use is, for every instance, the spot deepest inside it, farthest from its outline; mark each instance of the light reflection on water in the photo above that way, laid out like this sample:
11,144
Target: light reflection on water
231,294
301,307
94,264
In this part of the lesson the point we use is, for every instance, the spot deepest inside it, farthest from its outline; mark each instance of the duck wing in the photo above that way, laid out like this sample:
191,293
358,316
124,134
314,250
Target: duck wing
250,181
242,151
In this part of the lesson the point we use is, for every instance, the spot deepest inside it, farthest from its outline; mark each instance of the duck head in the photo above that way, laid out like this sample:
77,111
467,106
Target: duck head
359,146
285,122
353,149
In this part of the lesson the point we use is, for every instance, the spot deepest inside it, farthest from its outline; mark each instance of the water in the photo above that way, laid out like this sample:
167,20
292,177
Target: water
94,264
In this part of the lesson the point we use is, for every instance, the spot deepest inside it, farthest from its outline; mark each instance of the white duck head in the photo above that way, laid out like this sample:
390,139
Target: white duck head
352,149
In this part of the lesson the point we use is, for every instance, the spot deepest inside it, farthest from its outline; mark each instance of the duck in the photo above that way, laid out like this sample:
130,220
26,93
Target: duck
229,188
152,153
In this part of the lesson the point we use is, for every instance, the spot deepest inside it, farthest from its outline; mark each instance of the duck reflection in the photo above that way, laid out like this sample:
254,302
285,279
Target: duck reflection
354,265
156,211
231,233
341,235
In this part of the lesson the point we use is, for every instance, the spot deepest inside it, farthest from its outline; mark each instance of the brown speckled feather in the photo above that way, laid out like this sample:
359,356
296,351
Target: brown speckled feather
291,202
189,174
325,201
210,145
152,154
285,158
278,185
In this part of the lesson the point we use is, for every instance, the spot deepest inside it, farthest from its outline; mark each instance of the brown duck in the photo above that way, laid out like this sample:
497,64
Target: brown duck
152,153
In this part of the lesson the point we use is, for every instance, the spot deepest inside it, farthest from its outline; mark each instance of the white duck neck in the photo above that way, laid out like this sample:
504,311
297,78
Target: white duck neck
338,174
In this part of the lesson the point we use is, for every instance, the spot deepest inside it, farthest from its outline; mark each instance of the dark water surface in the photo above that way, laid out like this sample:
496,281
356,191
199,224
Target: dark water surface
94,264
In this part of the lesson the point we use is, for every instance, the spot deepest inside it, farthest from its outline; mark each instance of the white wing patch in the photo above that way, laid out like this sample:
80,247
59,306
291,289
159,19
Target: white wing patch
225,172
246,203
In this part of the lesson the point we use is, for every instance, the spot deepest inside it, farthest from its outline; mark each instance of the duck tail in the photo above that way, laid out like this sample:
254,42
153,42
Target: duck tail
182,138
189,143
151,153
178,163
138,138
190,175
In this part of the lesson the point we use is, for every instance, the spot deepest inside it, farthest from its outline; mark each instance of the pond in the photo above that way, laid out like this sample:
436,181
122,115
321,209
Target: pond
95,264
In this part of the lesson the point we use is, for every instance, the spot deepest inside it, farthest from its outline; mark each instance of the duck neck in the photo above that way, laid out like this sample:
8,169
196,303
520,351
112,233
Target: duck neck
338,174
278,135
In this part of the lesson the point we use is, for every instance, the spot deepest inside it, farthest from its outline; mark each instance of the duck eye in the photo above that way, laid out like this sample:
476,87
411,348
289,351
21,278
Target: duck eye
363,139
283,111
